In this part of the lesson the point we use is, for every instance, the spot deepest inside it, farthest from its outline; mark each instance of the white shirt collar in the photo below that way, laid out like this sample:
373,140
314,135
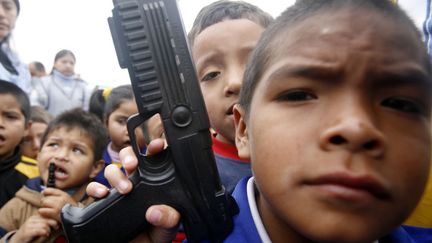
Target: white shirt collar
254,212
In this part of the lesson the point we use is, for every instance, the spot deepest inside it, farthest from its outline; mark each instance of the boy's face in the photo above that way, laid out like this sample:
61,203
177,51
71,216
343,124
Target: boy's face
12,125
72,152
117,126
338,133
220,53
31,143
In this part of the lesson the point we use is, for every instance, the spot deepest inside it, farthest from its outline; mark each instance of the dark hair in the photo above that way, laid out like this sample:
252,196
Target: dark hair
225,9
97,103
88,123
20,96
17,3
61,54
40,114
117,96
39,66
300,11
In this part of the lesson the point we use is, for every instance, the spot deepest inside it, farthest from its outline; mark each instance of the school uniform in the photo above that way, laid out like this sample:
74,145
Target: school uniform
230,166
14,172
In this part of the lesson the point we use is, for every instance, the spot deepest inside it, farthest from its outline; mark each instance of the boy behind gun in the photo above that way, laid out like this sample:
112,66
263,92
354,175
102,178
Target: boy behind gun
335,94
74,141
222,37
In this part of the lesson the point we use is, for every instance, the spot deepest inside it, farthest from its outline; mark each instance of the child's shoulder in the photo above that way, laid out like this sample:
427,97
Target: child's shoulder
28,167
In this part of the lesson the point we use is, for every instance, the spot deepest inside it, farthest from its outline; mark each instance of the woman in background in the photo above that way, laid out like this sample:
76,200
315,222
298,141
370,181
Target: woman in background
12,69
61,90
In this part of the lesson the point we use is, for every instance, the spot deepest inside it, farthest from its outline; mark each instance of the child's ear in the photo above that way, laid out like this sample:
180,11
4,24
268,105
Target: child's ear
27,127
241,132
97,167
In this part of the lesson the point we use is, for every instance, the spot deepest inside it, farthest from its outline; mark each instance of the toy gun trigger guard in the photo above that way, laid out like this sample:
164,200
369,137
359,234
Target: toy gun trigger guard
132,123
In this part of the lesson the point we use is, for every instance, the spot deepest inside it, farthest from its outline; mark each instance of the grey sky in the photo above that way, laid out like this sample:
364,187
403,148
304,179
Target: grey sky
46,26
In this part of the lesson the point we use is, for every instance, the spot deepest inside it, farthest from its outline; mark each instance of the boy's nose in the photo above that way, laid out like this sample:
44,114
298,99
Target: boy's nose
62,155
356,134
233,83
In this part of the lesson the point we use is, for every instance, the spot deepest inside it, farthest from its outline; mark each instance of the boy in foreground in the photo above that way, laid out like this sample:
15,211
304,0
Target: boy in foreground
74,142
15,169
334,114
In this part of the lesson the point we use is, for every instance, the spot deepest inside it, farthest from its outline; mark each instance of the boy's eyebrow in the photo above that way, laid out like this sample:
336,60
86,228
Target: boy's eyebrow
317,70
403,76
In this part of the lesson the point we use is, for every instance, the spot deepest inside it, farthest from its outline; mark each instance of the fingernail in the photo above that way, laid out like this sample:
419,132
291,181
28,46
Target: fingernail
100,192
155,216
123,186
127,160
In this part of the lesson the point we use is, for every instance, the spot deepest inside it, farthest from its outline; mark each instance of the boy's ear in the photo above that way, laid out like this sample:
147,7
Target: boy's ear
241,132
27,127
97,167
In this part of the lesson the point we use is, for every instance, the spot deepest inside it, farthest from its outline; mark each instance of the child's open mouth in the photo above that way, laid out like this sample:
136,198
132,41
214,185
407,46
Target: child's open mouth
60,173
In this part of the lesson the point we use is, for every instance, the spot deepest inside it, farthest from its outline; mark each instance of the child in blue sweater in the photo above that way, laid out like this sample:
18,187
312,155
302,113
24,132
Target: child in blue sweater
334,114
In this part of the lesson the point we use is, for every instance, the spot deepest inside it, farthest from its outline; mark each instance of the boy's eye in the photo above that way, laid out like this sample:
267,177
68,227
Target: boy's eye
122,121
11,116
78,151
27,140
53,145
403,104
296,96
210,76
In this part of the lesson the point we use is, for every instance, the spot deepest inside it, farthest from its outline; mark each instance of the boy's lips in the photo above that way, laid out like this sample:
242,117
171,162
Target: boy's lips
60,173
350,187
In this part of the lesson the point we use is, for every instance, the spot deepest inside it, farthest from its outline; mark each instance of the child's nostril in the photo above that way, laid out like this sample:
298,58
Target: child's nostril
370,145
338,140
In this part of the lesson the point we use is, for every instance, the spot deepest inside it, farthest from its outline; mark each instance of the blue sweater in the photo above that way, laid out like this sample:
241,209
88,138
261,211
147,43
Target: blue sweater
246,231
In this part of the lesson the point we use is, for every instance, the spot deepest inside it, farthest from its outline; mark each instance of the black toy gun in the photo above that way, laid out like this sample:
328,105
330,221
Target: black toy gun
51,175
150,42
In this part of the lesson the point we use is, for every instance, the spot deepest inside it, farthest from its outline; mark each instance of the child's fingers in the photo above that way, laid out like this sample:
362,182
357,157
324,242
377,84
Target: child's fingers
128,159
163,216
96,190
49,213
117,179
155,146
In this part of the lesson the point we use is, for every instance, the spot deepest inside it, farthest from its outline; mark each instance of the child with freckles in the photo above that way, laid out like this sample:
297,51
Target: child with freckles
74,142
334,114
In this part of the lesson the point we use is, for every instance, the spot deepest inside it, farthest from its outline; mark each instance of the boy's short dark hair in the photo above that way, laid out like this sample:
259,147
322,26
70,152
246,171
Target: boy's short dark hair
39,66
97,103
40,114
117,96
304,9
21,97
225,9
86,122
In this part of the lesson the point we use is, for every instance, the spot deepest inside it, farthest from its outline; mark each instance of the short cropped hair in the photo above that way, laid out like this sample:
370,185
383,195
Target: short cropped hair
296,14
117,96
88,123
39,66
40,114
19,94
225,9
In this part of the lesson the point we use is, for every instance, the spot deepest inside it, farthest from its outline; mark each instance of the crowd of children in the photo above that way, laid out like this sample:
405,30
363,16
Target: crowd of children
319,117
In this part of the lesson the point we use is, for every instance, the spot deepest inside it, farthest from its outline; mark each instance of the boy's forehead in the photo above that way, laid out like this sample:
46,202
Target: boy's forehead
329,34
10,101
75,134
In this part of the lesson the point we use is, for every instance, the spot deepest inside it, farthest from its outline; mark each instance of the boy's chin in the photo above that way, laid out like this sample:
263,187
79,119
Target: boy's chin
353,232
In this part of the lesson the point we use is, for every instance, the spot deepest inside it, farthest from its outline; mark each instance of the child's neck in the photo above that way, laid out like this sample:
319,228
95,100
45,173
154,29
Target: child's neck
223,139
